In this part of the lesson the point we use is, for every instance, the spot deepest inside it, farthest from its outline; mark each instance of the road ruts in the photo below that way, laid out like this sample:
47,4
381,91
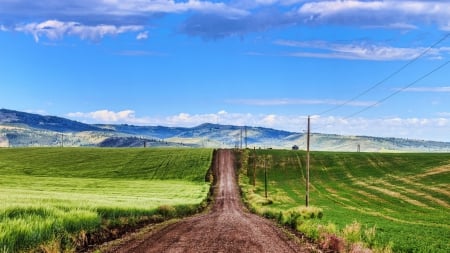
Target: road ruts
226,228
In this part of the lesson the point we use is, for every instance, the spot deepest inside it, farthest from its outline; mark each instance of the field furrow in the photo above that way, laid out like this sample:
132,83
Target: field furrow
404,196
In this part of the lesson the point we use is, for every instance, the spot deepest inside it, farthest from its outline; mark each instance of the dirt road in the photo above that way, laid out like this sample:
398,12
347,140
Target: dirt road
226,228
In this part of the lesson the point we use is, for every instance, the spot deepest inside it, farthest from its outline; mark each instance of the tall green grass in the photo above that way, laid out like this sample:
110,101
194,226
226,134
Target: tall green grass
402,199
54,196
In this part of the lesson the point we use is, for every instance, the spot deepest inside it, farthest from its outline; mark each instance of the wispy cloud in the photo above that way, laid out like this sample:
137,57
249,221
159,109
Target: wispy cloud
358,51
444,114
139,53
415,128
443,89
55,29
142,35
210,26
218,19
290,101
93,19
359,12
110,11
270,14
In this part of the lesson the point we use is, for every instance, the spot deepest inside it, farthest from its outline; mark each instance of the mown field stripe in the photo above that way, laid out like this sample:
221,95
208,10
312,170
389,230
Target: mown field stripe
410,211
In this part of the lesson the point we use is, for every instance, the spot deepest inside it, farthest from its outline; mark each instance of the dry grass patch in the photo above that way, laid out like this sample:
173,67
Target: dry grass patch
435,171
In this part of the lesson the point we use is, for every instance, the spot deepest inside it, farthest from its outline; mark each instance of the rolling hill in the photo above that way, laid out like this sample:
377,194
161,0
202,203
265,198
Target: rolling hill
21,129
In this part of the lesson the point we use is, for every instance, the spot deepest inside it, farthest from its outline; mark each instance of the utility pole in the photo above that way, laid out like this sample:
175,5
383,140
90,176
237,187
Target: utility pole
245,128
240,139
62,140
307,161
254,166
265,177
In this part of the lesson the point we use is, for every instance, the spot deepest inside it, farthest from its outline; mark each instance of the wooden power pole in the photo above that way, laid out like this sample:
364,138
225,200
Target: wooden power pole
307,161
265,177
245,129
240,139
254,166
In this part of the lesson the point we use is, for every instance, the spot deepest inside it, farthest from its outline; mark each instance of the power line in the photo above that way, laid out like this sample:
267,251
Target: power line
387,78
399,90
395,92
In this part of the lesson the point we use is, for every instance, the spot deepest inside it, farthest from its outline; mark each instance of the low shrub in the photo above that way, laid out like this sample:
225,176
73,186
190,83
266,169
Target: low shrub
331,242
166,211
352,232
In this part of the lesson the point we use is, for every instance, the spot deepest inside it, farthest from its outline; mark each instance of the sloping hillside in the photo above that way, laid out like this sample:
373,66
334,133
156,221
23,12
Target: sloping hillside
50,123
25,129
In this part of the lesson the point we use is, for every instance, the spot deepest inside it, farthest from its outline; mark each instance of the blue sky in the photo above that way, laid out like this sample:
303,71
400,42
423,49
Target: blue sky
264,63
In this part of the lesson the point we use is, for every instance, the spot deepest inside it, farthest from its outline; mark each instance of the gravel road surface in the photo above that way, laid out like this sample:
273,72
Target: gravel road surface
227,227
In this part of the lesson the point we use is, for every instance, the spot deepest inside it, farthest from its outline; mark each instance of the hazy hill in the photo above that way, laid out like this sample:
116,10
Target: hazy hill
159,132
50,123
26,129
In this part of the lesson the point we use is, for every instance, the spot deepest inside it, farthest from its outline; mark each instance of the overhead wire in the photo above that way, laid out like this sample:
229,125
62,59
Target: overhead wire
399,90
386,78
394,93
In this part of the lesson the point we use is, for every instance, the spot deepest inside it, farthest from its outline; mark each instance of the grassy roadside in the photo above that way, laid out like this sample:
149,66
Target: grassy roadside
59,199
386,202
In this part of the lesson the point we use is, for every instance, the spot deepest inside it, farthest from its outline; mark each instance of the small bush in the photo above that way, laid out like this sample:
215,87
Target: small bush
185,210
270,214
369,236
304,213
166,211
309,228
352,232
331,242
359,248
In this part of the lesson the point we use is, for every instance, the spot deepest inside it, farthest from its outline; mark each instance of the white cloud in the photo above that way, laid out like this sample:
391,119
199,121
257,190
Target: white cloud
389,12
114,9
106,116
443,89
93,19
359,51
226,18
142,35
170,6
396,26
3,28
269,120
55,29
413,128
444,114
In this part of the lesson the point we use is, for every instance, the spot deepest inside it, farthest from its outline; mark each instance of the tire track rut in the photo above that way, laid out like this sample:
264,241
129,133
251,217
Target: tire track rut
226,228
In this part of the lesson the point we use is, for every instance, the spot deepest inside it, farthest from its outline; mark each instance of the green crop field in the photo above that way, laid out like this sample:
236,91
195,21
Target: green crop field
52,197
404,198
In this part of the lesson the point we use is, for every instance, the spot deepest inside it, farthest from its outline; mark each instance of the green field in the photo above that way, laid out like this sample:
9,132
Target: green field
53,197
405,197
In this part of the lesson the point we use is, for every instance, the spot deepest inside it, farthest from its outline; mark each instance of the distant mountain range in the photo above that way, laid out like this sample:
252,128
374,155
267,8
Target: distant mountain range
21,129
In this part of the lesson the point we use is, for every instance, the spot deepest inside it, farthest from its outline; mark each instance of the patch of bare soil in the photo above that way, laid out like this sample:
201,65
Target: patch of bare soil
227,227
